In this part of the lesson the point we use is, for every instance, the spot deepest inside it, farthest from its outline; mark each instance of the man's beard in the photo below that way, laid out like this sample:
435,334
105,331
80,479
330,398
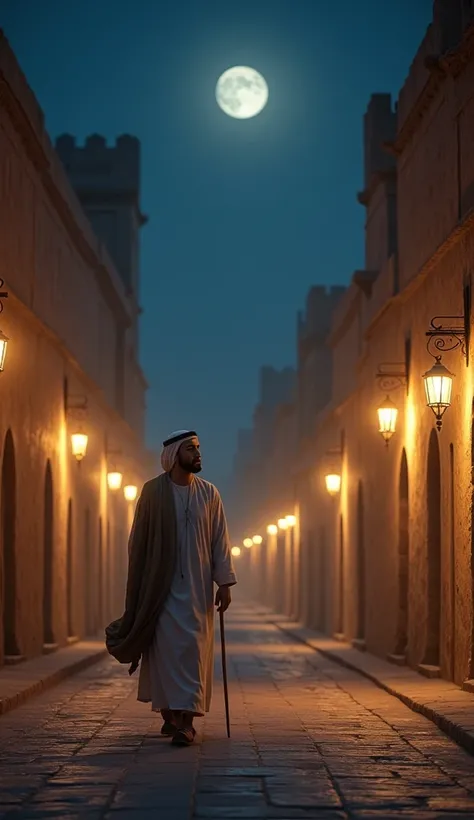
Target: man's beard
190,467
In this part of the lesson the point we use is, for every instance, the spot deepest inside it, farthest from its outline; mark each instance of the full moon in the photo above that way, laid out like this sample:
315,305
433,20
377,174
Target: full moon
241,92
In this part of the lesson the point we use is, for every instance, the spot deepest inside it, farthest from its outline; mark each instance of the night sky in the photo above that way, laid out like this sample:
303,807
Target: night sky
245,215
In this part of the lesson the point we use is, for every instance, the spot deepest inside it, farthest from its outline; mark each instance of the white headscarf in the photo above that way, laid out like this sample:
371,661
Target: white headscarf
171,446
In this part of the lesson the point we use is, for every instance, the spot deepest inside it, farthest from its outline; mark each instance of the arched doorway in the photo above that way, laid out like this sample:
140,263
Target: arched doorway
8,513
70,573
89,577
340,615
321,575
403,558
433,568
48,558
100,577
360,629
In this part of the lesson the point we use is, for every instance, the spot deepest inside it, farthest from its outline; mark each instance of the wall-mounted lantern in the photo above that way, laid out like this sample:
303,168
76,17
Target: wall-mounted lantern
130,492
79,442
247,542
272,529
114,480
283,524
446,333
257,540
390,376
333,483
76,409
235,551
291,520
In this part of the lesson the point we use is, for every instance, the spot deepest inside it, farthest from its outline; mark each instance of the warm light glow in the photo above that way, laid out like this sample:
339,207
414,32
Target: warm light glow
257,539
438,389
291,520
114,480
235,551
283,524
387,413
3,349
248,543
130,492
272,529
333,483
79,443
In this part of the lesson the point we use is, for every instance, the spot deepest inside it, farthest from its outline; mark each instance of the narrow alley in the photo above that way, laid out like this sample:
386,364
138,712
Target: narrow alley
310,739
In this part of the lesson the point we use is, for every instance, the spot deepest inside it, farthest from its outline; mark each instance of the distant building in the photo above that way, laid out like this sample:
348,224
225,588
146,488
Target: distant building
72,366
386,563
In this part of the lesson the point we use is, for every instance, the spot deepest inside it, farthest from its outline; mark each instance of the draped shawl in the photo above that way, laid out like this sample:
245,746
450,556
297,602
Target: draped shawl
151,565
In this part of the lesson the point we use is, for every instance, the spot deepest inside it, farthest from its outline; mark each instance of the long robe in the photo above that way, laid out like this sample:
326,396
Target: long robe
177,670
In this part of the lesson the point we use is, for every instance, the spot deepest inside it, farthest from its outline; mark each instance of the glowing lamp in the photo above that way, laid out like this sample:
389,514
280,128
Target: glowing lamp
235,551
257,539
272,529
79,443
130,492
387,413
283,524
438,389
3,349
333,483
291,520
114,480
248,543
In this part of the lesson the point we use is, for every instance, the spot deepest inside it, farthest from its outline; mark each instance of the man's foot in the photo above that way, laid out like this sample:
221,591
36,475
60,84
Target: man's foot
168,729
184,736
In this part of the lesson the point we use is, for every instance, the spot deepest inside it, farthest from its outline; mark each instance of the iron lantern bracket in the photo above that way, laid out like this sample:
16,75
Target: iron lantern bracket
3,294
448,333
391,376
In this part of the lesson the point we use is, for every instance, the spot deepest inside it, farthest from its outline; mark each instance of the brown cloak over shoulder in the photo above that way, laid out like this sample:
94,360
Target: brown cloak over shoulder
151,564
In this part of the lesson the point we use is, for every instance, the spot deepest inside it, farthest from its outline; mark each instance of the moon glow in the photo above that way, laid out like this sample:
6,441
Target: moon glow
241,92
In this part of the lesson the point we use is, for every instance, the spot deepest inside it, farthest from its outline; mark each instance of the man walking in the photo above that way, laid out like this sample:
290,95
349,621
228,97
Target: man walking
179,546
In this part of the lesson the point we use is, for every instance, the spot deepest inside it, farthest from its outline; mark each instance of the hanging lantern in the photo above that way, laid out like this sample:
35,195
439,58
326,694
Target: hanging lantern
387,413
438,389
272,529
130,492
114,480
79,443
333,483
257,540
3,349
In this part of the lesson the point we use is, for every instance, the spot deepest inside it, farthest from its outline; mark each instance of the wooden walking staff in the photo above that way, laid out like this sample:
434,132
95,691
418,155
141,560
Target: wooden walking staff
224,672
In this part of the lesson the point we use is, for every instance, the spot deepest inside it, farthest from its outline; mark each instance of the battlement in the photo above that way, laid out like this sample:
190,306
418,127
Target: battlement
380,126
96,165
276,386
321,302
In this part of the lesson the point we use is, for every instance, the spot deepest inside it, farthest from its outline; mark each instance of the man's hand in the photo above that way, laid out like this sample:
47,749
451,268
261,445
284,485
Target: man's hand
223,598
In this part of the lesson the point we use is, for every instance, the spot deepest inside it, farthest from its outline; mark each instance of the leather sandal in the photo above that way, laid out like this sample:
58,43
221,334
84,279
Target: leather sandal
184,736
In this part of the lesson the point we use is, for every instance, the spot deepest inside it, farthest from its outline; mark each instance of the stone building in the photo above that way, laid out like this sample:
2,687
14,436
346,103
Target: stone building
386,561
71,367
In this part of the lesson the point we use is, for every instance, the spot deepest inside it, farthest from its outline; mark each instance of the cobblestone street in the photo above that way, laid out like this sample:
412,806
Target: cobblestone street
310,739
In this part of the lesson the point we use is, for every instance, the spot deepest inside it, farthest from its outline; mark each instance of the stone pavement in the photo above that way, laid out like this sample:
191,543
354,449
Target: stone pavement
310,739
445,703
22,681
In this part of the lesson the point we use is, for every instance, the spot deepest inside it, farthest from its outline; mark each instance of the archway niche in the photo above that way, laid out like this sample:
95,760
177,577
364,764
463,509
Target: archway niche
341,569
360,569
48,560
401,642
11,647
70,572
433,553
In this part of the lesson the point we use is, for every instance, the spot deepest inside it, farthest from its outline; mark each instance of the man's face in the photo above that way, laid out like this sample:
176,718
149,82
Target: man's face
189,456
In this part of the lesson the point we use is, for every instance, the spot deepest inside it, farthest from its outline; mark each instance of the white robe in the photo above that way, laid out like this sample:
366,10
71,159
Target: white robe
177,671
